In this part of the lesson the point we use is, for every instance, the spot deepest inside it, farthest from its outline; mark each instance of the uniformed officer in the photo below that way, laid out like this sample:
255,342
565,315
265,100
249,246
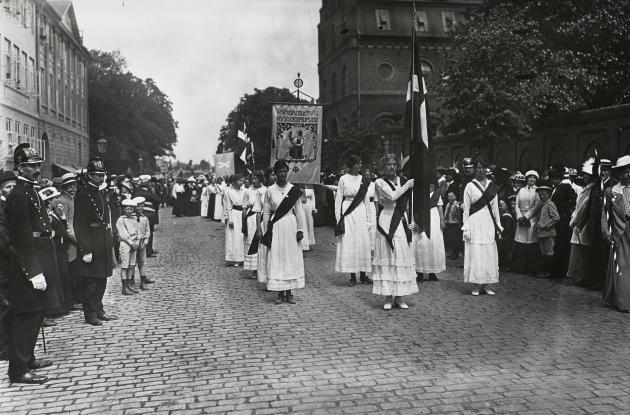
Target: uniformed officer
34,284
7,183
92,229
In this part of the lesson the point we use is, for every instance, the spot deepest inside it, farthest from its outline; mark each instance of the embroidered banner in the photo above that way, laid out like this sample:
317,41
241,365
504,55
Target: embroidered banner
296,137
224,164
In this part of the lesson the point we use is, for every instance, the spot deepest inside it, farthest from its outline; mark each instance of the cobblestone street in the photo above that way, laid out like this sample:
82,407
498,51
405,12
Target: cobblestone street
208,339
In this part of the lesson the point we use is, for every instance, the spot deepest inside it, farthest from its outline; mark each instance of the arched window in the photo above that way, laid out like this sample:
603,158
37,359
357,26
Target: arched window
333,88
427,70
344,81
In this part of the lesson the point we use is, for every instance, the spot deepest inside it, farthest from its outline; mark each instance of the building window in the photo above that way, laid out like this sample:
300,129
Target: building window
7,124
448,21
421,22
383,21
17,69
8,64
385,71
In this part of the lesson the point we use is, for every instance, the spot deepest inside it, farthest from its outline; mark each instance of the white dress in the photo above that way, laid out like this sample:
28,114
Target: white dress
481,258
309,207
393,271
234,249
284,261
218,201
205,199
305,242
371,206
430,255
353,247
527,205
253,199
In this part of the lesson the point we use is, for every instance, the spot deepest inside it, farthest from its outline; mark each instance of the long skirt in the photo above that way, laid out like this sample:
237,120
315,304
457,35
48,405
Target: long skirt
430,255
309,222
204,207
234,249
218,207
251,261
285,263
616,286
371,207
393,272
211,203
306,239
527,257
353,247
580,263
481,263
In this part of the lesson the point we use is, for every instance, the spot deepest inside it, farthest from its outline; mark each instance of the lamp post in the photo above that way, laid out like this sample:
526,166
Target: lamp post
101,145
140,164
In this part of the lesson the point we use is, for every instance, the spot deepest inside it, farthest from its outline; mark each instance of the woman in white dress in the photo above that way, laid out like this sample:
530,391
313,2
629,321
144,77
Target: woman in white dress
353,224
430,254
270,179
393,271
233,216
308,203
282,218
253,203
218,199
526,247
480,227
205,199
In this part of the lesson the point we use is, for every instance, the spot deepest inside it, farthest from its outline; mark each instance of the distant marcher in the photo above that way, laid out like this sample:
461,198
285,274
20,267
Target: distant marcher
233,216
526,247
453,222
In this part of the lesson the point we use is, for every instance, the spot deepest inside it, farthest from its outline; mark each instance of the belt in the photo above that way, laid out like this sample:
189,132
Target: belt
237,207
99,225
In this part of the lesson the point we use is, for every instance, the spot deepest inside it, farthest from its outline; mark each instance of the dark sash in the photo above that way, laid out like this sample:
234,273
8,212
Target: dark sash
285,206
397,217
246,214
435,199
486,197
340,229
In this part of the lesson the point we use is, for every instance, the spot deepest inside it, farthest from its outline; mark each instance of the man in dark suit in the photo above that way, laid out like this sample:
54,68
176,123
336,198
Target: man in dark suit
564,197
34,283
152,202
8,181
92,229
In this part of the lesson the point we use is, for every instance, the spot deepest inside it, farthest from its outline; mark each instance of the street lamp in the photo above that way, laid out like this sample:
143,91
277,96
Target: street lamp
101,144
140,163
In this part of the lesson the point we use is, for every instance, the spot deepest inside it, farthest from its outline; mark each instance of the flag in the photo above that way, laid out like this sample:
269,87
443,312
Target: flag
417,146
246,149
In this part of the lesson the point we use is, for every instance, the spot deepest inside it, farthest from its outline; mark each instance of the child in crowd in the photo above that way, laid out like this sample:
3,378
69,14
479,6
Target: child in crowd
453,221
506,244
144,232
127,228
546,228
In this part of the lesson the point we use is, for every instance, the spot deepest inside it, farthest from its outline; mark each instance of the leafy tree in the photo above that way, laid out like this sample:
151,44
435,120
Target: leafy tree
134,115
515,63
255,111
204,165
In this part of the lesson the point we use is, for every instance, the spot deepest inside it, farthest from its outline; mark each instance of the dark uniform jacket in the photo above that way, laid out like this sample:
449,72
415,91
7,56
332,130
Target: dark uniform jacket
93,232
5,278
32,250
564,198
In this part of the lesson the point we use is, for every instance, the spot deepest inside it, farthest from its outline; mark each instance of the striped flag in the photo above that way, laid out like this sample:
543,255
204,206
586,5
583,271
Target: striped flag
246,148
417,145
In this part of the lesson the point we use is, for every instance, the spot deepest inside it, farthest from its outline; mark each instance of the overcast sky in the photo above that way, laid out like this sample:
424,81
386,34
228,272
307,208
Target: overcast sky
205,54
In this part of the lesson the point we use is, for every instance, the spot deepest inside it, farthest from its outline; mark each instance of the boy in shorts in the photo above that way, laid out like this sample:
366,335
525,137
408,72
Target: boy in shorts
127,228
144,232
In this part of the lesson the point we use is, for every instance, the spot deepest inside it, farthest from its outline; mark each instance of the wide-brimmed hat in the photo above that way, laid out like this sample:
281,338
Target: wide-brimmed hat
622,162
532,173
541,188
129,202
139,199
6,176
605,163
68,178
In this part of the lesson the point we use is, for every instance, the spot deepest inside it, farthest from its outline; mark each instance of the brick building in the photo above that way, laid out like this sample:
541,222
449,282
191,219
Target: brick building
44,68
364,58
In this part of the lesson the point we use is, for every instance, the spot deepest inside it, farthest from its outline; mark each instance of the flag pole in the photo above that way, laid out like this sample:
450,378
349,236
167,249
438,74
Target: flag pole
410,91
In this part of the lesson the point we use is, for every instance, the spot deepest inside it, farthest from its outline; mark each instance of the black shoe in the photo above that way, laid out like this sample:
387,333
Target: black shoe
147,280
280,299
107,317
39,364
31,378
290,299
352,282
433,277
94,322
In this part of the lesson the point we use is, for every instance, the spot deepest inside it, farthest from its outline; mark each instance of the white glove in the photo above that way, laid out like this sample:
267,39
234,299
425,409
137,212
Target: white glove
409,184
87,258
39,282
466,235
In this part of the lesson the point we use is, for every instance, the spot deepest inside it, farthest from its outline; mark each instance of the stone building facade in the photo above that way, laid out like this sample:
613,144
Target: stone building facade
364,62
52,88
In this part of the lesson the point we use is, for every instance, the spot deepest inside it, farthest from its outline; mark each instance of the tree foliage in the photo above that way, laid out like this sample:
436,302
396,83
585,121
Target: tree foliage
515,63
133,114
255,111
